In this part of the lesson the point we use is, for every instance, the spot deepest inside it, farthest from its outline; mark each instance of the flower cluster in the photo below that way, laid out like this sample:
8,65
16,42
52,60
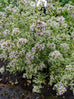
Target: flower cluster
40,46
52,46
60,88
56,22
6,32
65,46
6,45
15,31
21,41
55,54
42,65
14,54
38,25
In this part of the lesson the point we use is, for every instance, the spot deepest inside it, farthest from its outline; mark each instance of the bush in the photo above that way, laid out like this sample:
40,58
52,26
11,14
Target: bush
41,44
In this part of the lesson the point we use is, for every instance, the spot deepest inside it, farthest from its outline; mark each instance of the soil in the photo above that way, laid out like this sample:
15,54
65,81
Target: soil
13,86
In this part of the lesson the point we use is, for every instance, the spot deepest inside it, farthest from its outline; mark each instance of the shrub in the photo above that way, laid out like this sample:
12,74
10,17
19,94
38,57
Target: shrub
41,44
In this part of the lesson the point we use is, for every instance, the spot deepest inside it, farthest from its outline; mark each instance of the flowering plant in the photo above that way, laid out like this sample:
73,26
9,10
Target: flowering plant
41,44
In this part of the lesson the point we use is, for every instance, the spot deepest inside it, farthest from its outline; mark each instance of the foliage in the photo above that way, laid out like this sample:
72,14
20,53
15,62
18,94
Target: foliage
41,44
62,2
66,1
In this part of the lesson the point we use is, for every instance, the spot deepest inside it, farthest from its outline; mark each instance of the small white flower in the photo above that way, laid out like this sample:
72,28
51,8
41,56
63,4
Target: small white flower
32,27
69,67
8,9
1,41
35,89
6,32
64,25
59,10
2,14
15,31
29,57
38,33
15,10
61,19
65,46
51,46
2,69
22,52
42,65
50,7
33,50
47,33
40,46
